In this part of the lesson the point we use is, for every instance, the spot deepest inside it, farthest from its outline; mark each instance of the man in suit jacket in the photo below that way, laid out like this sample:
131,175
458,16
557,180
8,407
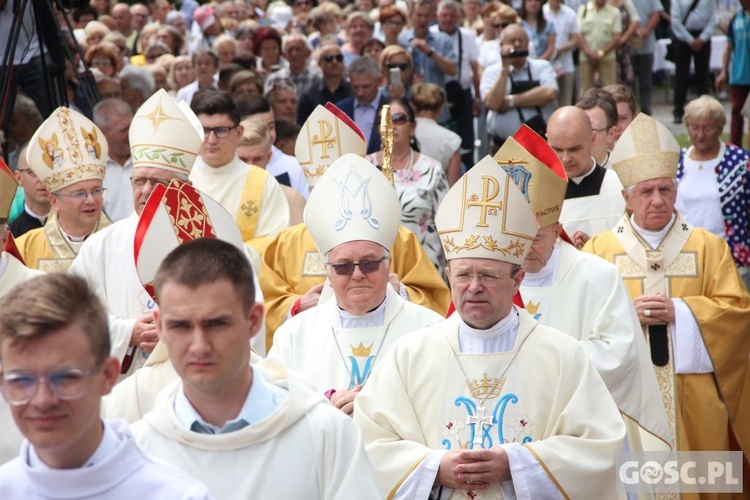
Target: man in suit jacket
365,79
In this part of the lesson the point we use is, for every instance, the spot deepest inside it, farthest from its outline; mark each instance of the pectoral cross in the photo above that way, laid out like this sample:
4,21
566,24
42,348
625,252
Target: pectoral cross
480,421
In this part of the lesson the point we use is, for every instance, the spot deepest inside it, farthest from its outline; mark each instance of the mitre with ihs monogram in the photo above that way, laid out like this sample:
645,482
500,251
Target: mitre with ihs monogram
165,135
327,135
486,216
172,216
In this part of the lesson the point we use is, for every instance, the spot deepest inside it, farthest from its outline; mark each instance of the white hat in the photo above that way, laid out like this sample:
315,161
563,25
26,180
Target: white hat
352,201
8,186
646,150
174,215
163,135
539,175
326,136
486,216
67,148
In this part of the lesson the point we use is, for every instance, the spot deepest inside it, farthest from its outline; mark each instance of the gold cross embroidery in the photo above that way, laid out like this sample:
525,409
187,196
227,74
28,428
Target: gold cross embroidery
249,208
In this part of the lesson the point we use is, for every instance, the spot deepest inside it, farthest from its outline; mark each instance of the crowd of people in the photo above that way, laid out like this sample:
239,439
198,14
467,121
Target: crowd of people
277,244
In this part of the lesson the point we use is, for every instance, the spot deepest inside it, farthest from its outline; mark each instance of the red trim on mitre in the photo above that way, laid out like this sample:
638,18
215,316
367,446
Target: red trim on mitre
4,168
187,212
517,301
564,236
345,118
147,216
12,249
536,145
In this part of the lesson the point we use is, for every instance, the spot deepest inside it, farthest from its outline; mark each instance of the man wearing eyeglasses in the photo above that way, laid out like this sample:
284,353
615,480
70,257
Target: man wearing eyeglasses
164,145
353,215
601,108
36,206
592,200
330,87
56,367
68,154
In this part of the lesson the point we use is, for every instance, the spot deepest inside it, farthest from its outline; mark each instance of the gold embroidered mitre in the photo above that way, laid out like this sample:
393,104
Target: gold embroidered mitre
67,148
486,216
539,175
165,135
352,201
8,186
646,150
327,135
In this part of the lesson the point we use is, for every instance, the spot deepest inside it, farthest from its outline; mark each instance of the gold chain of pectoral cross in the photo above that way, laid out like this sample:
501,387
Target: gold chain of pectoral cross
481,420
343,359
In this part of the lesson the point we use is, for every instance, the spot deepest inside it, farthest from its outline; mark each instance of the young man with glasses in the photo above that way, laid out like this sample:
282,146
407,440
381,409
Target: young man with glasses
602,110
36,199
330,87
247,192
353,215
56,367
160,131
68,154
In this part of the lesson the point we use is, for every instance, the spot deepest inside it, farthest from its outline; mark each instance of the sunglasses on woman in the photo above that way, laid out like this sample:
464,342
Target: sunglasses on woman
401,66
399,118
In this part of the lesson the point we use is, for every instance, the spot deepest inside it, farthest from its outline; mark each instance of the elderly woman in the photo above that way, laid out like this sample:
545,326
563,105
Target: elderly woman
359,29
392,22
267,47
181,73
105,57
395,57
419,181
172,37
713,190
435,140
246,83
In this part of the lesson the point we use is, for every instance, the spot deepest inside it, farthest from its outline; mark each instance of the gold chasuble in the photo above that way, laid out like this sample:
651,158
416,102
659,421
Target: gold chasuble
418,401
48,249
697,267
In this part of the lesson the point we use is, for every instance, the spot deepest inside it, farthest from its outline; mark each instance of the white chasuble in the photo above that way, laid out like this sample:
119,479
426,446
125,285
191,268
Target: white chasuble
314,343
14,273
551,401
589,302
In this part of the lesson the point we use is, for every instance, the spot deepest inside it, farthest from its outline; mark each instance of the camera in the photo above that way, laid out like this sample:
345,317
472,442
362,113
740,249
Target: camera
516,54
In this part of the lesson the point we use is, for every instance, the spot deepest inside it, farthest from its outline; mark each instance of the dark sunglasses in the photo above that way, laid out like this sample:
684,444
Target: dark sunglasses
401,66
331,58
366,266
500,26
399,118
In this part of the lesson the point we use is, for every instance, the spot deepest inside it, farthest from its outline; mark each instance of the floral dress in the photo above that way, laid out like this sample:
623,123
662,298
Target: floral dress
420,189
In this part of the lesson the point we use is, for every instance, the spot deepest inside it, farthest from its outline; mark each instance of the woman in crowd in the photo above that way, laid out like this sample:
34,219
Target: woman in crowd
435,140
713,190
172,38
282,97
325,20
397,57
227,48
419,181
373,48
244,36
473,16
267,47
105,57
630,23
496,17
541,33
392,22
359,29
95,32
246,83
181,73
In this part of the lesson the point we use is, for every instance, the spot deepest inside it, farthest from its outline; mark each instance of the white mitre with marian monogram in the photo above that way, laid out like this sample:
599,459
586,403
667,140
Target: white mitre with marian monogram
353,201
164,135
327,135
174,215
67,148
646,150
486,216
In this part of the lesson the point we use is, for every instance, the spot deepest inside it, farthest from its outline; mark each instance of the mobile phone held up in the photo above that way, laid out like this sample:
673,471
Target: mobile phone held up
515,54
394,76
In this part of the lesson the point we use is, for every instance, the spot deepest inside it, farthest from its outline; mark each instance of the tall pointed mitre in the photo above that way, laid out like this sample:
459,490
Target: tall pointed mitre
352,201
537,171
67,148
646,150
174,215
164,135
8,186
486,216
327,135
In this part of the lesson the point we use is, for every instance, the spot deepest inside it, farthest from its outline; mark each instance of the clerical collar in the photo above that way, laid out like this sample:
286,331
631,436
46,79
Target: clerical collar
546,275
375,317
579,179
108,445
40,218
262,399
653,238
74,239
505,325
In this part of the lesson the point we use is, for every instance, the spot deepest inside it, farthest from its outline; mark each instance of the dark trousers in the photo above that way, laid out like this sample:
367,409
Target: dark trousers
462,114
737,96
643,67
683,54
30,77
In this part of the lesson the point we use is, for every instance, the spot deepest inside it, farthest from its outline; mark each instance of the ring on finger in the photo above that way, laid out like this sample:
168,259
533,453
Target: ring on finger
647,313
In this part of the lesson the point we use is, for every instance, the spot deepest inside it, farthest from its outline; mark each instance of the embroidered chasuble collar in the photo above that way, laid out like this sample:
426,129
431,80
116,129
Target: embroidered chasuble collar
653,238
546,275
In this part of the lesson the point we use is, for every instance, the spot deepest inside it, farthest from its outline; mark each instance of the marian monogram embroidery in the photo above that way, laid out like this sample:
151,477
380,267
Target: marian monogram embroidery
354,191
485,430
359,375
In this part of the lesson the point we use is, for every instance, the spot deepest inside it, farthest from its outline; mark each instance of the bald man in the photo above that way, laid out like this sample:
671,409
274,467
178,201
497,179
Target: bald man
593,201
517,90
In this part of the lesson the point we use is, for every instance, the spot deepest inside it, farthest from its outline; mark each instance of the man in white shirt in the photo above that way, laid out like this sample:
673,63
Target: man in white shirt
241,427
113,116
53,329
469,404
565,21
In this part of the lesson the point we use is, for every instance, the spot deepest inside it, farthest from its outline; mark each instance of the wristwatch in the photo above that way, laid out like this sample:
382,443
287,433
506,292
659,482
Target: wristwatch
429,54
511,101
